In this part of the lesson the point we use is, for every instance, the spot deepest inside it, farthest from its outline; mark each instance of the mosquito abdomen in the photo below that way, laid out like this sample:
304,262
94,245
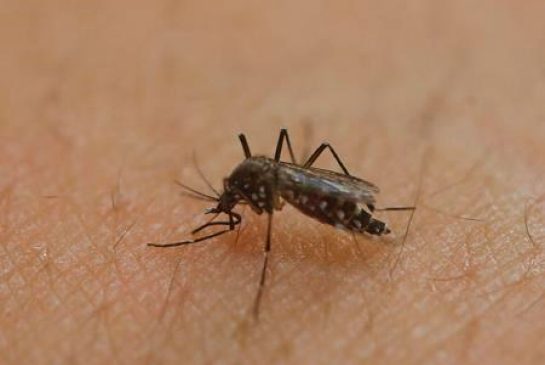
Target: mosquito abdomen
343,214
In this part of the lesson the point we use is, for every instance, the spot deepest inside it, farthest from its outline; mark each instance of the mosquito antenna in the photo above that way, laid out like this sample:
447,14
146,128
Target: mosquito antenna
202,176
208,223
189,242
197,197
245,146
196,192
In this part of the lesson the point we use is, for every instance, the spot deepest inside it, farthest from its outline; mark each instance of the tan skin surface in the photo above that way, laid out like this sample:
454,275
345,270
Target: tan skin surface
102,104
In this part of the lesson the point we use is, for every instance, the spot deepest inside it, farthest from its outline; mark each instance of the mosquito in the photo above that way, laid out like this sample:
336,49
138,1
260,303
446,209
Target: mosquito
265,184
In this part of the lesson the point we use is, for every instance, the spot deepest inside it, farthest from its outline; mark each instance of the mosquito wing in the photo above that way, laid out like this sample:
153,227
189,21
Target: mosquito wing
328,182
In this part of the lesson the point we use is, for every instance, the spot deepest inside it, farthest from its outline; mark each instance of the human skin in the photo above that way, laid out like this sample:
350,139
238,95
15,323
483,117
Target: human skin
102,106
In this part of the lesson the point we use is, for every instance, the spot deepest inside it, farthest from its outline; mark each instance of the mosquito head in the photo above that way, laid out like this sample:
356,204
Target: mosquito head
227,200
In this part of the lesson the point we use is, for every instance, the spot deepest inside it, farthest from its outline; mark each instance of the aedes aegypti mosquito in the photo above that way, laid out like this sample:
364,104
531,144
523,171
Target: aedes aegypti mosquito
263,183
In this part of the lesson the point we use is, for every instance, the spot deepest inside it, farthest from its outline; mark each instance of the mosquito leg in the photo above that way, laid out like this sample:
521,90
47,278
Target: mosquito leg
245,146
205,224
394,209
283,135
234,219
239,225
231,222
219,223
188,242
319,151
264,269
308,132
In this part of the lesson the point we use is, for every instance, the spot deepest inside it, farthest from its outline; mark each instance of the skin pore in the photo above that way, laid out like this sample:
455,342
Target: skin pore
103,106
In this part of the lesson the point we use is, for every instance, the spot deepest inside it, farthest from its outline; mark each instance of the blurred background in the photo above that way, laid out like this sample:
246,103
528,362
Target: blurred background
111,77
